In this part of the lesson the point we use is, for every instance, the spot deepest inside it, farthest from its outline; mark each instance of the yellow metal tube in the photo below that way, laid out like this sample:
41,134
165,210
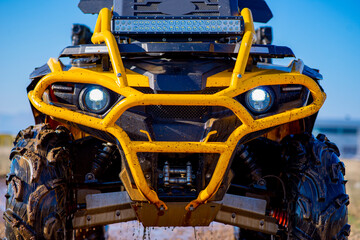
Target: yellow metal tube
245,47
102,34
83,76
54,65
215,182
179,147
179,99
135,167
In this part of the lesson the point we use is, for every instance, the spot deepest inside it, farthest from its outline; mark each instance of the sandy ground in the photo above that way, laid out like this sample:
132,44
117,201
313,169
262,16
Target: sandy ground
4,160
134,230
353,189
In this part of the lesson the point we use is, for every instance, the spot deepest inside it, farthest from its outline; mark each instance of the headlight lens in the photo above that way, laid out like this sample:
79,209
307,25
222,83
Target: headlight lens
259,100
95,99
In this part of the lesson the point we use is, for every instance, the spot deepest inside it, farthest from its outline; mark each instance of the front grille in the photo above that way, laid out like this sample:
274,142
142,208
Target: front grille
178,123
179,112
208,90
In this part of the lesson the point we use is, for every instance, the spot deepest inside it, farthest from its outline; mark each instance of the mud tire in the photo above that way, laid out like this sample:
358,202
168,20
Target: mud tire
37,189
317,197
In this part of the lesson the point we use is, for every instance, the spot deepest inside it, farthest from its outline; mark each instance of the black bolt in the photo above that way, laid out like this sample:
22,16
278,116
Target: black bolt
262,223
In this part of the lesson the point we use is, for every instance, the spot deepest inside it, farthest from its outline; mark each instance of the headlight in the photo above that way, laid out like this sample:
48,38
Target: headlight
95,99
259,100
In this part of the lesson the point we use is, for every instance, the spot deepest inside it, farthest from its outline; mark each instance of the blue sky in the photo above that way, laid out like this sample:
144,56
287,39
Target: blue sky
323,33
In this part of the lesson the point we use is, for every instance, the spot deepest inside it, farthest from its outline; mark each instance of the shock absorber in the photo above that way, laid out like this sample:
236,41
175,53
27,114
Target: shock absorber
250,162
101,161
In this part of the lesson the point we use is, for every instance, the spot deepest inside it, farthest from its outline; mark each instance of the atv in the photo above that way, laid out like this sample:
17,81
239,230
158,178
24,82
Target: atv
171,113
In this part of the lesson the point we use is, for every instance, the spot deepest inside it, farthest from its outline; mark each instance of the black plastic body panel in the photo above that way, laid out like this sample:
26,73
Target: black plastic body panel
178,123
180,75
260,10
94,6
266,51
310,72
174,7
40,71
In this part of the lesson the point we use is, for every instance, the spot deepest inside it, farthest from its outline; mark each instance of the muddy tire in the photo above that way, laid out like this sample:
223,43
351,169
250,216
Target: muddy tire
37,192
316,189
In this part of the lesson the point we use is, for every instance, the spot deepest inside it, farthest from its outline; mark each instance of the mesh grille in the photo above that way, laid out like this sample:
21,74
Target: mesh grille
209,90
178,123
179,112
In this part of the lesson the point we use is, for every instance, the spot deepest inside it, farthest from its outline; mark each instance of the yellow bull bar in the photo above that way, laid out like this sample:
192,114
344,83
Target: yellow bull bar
118,83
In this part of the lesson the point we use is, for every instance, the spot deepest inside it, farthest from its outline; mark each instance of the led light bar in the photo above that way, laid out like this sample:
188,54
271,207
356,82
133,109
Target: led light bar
178,25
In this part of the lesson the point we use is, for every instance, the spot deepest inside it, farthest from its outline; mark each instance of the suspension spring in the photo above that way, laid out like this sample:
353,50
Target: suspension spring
281,217
102,161
250,162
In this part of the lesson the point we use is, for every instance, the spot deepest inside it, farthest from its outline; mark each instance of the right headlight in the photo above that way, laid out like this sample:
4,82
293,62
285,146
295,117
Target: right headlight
259,100
95,99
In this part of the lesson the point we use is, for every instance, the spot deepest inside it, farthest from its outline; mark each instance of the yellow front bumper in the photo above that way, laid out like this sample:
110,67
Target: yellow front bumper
239,83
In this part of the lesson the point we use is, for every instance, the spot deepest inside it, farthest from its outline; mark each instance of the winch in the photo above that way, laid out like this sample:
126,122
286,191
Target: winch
183,175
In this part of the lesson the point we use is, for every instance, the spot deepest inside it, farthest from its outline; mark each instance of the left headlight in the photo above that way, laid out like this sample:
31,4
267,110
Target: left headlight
94,99
259,100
